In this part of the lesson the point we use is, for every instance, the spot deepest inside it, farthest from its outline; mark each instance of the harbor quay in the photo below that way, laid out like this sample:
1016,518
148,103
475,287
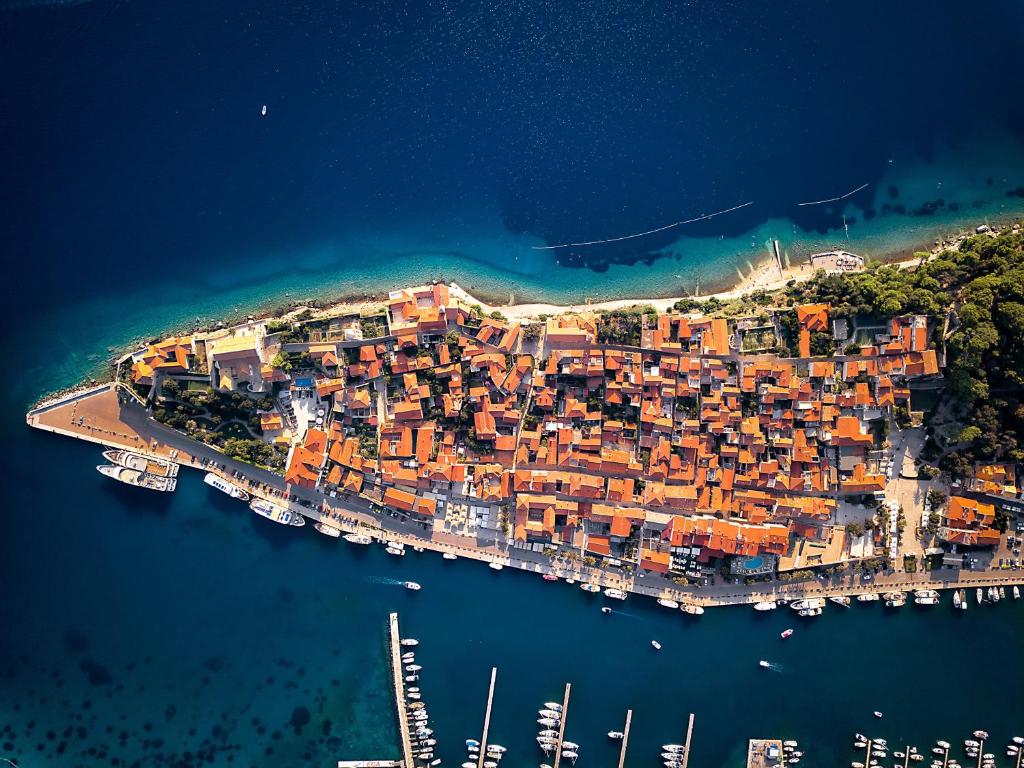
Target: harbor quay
102,416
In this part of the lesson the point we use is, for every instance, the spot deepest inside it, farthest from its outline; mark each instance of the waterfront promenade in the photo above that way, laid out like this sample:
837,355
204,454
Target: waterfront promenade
98,416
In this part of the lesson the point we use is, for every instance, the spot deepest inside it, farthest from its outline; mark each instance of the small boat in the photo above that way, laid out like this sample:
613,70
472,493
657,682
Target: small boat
669,755
222,485
357,538
810,612
468,764
900,755
956,599
925,593
981,735
436,761
327,530
549,577
408,655
278,514
765,605
673,747
471,750
411,678
943,744
690,608
549,713
414,696
971,743
856,765
615,734
793,760
450,556
867,597
571,746
917,757
263,111
616,594
417,548
548,732
1016,592
894,596
395,551
496,749
1002,592
547,721
417,705
570,755
472,743
410,642
898,603
842,600
590,587
764,664
413,667
978,595
926,600
668,603
878,715
570,580
490,764
1018,739
656,645
938,750
411,585
495,565
859,744
553,705
786,633
789,743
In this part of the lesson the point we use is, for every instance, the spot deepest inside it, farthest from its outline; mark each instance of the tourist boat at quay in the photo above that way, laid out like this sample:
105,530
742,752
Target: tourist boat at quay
590,587
867,597
842,600
151,465
617,594
222,485
765,605
137,478
275,513
357,538
690,608
327,530
668,603
810,603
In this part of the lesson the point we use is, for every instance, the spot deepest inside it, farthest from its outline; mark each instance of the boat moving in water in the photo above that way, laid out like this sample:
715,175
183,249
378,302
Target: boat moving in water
764,664
148,464
137,478
222,485
411,585
656,644
275,513
328,530
787,633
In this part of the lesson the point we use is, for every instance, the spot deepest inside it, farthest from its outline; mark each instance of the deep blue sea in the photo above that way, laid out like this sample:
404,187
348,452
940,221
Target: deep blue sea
403,141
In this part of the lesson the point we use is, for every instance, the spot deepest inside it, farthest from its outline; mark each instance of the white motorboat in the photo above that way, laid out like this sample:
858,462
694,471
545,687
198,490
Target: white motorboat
616,594
668,603
395,551
496,749
925,593
549,713
897,603
327,530
656,645
764,664
690,608
673,747
547,721
590,587
810,612
412,585
765,605
978,595
1016,592
615,734
357,538
570,755
410,642
981,735
867,597
278,514
548,732
879,716
842,600
571,746
943,744
138,479
926,600
605,609
553,705
450,556
495,565
222,485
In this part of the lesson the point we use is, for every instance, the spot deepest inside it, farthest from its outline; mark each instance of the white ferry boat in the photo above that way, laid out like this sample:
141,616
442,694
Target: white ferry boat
278,514
222,485
327,530
132,460
357,538
137,478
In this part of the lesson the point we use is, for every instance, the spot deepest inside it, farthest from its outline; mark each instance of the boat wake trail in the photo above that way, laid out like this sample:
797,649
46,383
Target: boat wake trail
773,667
836,199
385,581
702,217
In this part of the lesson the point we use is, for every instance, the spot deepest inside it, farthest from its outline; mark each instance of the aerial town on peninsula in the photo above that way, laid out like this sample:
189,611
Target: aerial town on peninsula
745,443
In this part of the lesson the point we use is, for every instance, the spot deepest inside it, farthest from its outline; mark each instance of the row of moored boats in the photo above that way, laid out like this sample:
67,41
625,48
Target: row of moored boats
813,606
877,750
421,735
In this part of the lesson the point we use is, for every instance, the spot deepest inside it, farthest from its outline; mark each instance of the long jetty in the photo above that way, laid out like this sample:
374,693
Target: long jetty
686,747
625,738
487,719
561,726
395,640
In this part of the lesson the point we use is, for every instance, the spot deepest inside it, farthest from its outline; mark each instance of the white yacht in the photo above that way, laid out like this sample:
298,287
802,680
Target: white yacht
667,603
412,585
765,605
656,645
222,485
137,478
495,565
617,594
590,587
278,514
450,556
148,464
690,608
842,600
867,597
328,530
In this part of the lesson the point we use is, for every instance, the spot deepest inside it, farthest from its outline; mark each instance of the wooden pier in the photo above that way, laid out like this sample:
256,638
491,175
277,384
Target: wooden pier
686,747
395,640
487,719
625,738
561,726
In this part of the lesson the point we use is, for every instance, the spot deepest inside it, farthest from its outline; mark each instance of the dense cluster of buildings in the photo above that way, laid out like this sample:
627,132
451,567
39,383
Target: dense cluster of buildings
674,451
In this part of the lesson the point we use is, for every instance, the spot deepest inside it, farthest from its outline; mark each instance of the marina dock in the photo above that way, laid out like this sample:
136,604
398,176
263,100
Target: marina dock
487,719
689,736
395,641
625,738
561,727
764,753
